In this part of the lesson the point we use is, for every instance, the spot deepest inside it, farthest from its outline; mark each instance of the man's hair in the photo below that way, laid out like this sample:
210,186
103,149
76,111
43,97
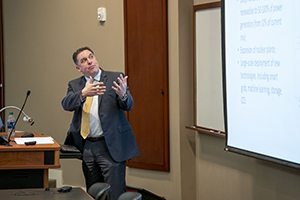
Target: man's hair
75,54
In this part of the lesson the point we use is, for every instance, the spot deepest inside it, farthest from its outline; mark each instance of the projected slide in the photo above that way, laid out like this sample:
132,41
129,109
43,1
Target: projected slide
262,52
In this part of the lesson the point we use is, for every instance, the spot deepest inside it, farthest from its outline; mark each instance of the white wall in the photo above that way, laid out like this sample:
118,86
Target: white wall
39,39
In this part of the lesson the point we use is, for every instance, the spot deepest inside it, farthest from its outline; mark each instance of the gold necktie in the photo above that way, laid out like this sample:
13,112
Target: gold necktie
85,121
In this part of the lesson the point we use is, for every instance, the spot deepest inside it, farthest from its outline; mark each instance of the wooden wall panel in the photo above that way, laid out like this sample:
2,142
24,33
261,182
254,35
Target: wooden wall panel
146,54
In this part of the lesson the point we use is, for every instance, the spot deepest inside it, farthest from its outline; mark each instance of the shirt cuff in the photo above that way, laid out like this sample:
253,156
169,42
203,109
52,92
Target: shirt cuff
124,98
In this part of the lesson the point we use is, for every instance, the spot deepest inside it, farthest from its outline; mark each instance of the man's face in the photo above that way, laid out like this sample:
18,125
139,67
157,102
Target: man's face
87,63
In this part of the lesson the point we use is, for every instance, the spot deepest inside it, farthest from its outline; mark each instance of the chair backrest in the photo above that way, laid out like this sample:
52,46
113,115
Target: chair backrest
130,196
99,190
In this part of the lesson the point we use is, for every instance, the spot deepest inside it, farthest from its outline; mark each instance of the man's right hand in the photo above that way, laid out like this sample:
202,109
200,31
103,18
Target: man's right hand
91,89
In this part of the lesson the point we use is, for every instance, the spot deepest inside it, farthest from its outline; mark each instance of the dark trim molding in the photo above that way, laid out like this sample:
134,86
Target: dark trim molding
2,103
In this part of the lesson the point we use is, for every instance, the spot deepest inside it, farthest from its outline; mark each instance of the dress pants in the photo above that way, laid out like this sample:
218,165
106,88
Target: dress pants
99,166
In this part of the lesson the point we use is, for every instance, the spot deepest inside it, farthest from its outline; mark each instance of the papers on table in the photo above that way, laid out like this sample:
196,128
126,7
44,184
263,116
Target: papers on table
38,140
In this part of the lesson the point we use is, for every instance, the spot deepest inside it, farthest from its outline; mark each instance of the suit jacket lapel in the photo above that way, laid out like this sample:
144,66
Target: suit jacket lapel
103,79
81,85
82,82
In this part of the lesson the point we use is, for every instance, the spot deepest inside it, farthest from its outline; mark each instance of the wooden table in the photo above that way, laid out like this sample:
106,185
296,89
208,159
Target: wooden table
24,166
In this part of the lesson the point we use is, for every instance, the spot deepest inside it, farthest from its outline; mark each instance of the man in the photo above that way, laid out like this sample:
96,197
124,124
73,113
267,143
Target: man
109,140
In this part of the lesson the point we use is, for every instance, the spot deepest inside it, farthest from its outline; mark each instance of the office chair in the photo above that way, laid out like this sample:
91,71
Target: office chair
99,190
130,196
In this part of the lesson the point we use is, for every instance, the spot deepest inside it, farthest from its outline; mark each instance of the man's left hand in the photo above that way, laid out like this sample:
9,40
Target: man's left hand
121,88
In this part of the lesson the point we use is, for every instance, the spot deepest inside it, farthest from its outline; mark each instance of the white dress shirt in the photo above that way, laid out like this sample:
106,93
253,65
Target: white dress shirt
95,124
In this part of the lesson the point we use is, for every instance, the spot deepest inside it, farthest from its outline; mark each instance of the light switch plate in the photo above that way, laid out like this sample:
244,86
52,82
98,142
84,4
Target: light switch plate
101,14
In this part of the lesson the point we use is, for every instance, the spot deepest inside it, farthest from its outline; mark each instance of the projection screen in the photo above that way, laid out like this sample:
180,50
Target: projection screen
261,78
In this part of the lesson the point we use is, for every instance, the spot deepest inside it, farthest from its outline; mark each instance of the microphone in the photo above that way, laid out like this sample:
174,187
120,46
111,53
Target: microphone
13,128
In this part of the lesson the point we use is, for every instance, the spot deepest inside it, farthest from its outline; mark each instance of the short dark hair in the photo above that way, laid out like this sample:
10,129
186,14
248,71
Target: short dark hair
75,54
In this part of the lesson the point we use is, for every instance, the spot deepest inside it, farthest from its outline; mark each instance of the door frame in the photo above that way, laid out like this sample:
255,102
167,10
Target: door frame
2,103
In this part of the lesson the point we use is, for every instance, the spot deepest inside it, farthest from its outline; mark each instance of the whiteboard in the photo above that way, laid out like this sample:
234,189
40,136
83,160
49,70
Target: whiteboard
208,69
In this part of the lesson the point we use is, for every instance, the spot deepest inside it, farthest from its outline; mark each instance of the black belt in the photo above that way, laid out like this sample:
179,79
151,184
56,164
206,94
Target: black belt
94,139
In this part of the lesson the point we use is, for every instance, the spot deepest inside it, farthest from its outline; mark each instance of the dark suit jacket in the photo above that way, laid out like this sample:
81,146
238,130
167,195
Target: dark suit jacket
117,131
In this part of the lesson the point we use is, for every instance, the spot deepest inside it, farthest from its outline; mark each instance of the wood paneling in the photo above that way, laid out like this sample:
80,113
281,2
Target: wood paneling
146,54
